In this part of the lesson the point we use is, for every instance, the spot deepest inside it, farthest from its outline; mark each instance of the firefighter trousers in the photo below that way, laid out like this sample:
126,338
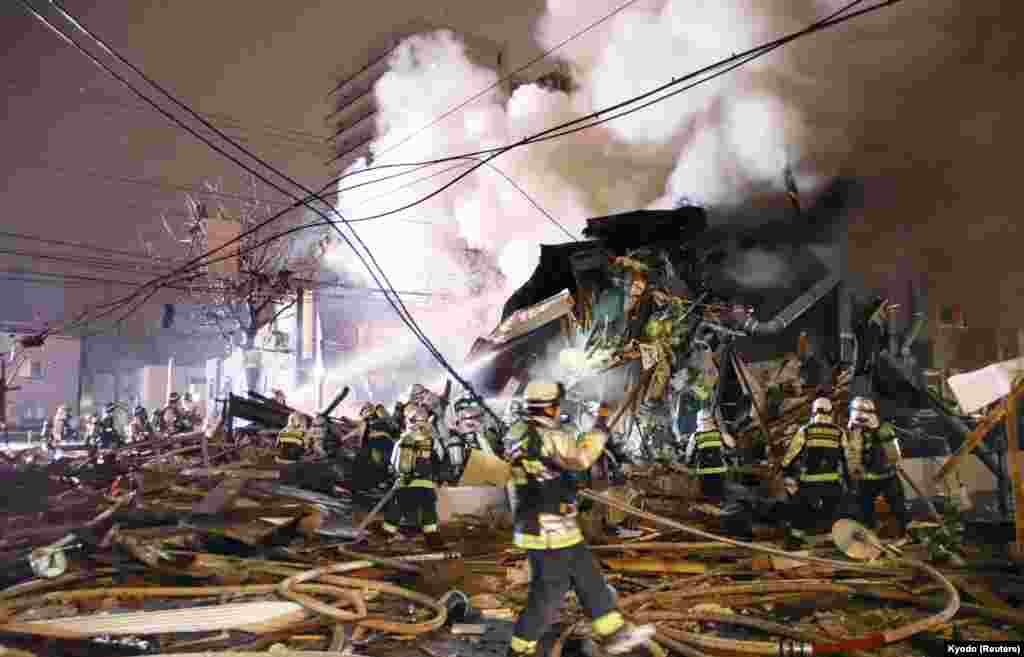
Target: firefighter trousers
712,486
553,573
815,505
415,504
891,489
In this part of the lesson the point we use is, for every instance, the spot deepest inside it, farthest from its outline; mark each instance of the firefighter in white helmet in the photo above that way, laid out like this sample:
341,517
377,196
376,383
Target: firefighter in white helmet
708,452
420,468
879,457
815,469
542,451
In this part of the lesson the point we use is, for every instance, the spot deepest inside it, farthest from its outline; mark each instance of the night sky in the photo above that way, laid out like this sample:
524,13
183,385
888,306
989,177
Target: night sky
930,122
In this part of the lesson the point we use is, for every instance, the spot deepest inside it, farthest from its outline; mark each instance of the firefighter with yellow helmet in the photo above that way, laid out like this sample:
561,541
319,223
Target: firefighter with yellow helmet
542,452
419,467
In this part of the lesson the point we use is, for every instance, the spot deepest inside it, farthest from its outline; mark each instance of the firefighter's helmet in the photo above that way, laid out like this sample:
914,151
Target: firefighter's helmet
139,412
822,406
173,398
863,404
417,392
296,421
541,394
466,403
863,413
416,414
706,420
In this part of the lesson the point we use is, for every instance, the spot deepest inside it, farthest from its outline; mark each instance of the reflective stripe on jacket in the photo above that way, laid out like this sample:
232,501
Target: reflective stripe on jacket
543,453
876,460
708,454
818,450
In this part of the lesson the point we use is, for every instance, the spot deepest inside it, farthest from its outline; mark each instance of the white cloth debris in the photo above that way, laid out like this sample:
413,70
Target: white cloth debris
977,389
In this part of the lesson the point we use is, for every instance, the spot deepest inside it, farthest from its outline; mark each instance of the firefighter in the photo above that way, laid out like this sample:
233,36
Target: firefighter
378,444
707,454
60,430
816,471
138,428
89,433
191,410
542,451
318,436
419,467
879,459
174,418
291,441
107,435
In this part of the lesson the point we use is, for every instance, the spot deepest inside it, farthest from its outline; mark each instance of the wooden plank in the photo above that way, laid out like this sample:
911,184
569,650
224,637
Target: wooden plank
981,592
247,615
1015,463
974,438
220,498
655,566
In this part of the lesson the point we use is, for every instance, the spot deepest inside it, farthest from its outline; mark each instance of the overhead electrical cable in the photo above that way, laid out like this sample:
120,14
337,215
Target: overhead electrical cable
582,119
395,300
300,138
544,55
553,133
77,245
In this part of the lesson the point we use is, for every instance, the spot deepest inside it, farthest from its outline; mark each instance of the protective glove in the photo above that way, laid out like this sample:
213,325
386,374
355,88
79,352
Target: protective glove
792,485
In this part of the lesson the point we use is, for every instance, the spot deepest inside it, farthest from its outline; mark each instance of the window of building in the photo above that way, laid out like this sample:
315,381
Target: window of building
31,368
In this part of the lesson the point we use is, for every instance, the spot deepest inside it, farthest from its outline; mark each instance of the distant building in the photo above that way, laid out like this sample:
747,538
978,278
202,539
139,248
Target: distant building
45,377
353,121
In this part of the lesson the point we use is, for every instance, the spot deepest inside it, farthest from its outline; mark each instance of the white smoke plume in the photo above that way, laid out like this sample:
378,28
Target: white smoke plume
478,241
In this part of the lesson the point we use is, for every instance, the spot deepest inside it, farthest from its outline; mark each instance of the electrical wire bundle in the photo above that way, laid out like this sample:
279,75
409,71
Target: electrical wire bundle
316,201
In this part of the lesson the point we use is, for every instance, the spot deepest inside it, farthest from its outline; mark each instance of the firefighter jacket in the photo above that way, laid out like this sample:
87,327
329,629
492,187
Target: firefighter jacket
380,442
544,454
878,445
107,436
706,453
174,420
817,453
416,460
291,445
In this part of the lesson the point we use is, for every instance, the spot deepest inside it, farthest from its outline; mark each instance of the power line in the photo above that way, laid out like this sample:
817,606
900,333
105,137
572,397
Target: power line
76,245
297,136
158,184
568,128
393,299
58,278
560,130
511,75
532,139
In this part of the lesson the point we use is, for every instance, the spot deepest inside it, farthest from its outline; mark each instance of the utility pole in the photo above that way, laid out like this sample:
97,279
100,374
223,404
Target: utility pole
4,389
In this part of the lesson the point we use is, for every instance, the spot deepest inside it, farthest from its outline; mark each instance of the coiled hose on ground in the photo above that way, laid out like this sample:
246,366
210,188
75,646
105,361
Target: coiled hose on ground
791,647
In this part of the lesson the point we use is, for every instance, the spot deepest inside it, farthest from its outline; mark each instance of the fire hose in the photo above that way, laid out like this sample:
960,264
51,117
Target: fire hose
789,647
